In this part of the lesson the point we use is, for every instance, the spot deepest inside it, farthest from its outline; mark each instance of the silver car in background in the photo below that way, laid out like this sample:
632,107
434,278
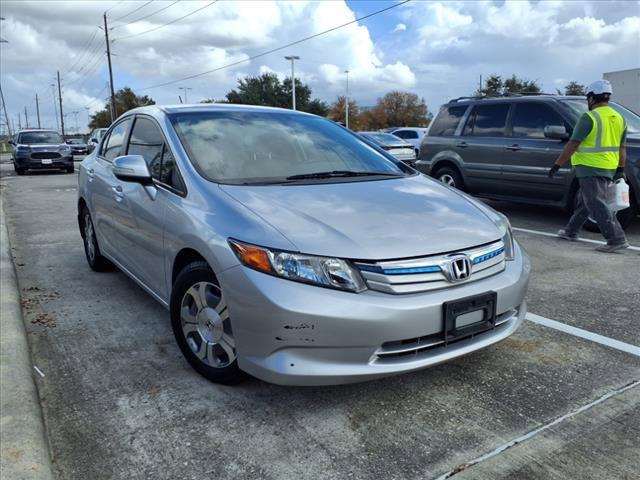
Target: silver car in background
398,148
286,247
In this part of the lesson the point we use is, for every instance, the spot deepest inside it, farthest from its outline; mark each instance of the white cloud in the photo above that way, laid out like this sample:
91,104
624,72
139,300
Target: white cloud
401,27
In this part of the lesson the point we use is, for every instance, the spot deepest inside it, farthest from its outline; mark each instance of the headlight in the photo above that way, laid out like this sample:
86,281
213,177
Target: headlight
322,271
507,236
22,149
65,149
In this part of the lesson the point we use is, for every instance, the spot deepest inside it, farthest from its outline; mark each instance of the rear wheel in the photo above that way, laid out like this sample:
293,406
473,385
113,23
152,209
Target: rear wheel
202,325
449,176
91,249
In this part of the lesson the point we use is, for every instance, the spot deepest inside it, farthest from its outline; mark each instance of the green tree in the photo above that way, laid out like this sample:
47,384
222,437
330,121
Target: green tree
403,109
495,86
126,99
268,90
574,88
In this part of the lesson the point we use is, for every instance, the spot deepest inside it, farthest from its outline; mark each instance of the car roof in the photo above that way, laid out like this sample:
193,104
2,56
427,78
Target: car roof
30,130
511,98
211,107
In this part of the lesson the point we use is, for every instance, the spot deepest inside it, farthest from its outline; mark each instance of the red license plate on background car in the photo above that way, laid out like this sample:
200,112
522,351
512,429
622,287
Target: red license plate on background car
469,316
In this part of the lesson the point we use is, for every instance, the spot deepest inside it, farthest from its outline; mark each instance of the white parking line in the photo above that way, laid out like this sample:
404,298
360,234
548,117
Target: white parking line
578,332
547,234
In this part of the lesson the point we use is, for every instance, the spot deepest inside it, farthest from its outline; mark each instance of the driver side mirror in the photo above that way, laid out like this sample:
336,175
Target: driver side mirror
94,140
132,168
11,142
556,132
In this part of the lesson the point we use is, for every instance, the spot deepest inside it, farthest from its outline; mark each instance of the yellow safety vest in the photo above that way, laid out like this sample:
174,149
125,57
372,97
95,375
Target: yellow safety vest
601,148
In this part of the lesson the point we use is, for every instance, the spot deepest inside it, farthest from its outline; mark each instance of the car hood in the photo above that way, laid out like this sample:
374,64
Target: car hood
386,219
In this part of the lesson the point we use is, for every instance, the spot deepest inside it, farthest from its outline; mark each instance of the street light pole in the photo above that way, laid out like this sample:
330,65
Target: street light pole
346,103
185,93
293,58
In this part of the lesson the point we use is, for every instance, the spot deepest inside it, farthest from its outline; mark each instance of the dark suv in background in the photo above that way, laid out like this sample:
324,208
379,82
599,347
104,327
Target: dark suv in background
502,148
41,150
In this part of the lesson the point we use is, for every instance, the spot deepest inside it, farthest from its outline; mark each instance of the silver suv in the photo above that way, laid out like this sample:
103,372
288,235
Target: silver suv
286,247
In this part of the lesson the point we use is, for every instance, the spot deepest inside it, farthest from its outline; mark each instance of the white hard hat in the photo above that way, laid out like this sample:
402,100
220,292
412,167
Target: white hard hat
600,86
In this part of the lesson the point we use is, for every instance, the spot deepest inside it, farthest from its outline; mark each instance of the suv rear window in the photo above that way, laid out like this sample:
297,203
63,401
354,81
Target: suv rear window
447,121
487,120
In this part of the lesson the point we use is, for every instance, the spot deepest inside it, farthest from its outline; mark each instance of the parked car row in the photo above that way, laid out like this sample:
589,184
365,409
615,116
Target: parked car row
502,148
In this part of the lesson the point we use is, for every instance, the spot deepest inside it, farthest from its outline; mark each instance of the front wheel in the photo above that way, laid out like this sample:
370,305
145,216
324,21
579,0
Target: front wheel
202,325
19,170
91,249
449,176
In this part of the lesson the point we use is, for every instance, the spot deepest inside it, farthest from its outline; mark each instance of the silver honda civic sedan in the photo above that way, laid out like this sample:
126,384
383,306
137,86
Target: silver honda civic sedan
286,247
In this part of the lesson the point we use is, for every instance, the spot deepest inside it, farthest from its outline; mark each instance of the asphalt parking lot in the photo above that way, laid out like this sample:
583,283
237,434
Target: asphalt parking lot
120,402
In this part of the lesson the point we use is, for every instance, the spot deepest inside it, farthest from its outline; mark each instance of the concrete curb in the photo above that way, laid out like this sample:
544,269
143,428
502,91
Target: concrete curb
24,451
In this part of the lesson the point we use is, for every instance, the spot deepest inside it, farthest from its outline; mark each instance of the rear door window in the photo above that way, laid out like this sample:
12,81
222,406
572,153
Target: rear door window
487,120
113,147
447,121
530,119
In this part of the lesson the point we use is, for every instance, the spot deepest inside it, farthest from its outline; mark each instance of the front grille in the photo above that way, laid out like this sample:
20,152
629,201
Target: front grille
430,273
43,155
413,347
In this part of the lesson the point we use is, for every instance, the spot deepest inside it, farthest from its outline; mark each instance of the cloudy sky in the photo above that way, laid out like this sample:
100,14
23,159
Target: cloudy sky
435,49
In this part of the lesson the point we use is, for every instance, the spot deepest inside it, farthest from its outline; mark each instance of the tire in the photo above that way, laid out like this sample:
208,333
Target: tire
449,176
202,326
70,170
625,217
95,260
18,170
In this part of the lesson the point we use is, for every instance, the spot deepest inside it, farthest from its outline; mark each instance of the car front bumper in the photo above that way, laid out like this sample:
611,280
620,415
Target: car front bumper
28,163
295,334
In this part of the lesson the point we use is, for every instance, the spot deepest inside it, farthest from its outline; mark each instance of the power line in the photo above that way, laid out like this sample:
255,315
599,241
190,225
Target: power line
132,11
146,16
97,99
248,59
113,6
85,49
166,24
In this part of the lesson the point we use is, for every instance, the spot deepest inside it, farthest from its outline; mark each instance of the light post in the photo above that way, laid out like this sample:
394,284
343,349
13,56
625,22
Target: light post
293,58
346,103
185,93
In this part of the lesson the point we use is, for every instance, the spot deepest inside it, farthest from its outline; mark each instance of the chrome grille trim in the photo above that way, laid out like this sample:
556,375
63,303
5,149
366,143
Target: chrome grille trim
428,273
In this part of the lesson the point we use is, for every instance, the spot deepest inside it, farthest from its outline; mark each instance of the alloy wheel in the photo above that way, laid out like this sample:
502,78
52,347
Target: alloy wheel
206,325
447,180
89,238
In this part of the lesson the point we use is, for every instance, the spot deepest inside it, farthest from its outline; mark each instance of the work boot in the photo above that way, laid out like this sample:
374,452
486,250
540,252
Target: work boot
612,248
567,236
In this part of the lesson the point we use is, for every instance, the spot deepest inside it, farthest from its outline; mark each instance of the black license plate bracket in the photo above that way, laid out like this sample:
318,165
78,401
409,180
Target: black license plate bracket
485,303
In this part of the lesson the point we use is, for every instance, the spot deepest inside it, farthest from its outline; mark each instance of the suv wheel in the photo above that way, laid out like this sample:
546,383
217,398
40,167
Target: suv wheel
202,326
91,249
18,170
449,176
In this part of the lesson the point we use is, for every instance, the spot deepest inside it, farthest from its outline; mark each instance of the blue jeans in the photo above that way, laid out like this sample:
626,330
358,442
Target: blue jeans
592,202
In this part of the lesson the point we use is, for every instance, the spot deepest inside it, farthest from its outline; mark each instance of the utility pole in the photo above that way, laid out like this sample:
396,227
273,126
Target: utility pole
19,123
4,107
55,105
185,93
38,110
113,93
346,103
60,101
26,119
293,58
480,87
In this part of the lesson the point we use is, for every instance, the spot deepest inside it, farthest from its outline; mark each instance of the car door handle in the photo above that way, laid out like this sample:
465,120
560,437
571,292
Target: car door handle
117,190
514,148
462,145
90,174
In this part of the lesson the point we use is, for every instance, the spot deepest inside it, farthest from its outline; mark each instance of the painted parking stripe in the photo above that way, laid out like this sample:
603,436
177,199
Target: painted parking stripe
578,332
580,239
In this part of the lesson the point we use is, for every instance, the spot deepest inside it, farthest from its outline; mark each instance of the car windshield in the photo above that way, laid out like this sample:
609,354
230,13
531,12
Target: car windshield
33,138
578,107
264,147
382,138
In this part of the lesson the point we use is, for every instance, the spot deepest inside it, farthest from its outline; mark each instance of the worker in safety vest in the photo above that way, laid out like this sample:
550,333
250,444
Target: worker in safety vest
597,152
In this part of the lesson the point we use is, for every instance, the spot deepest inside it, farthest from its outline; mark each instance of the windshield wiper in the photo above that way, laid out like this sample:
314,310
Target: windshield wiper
339,173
